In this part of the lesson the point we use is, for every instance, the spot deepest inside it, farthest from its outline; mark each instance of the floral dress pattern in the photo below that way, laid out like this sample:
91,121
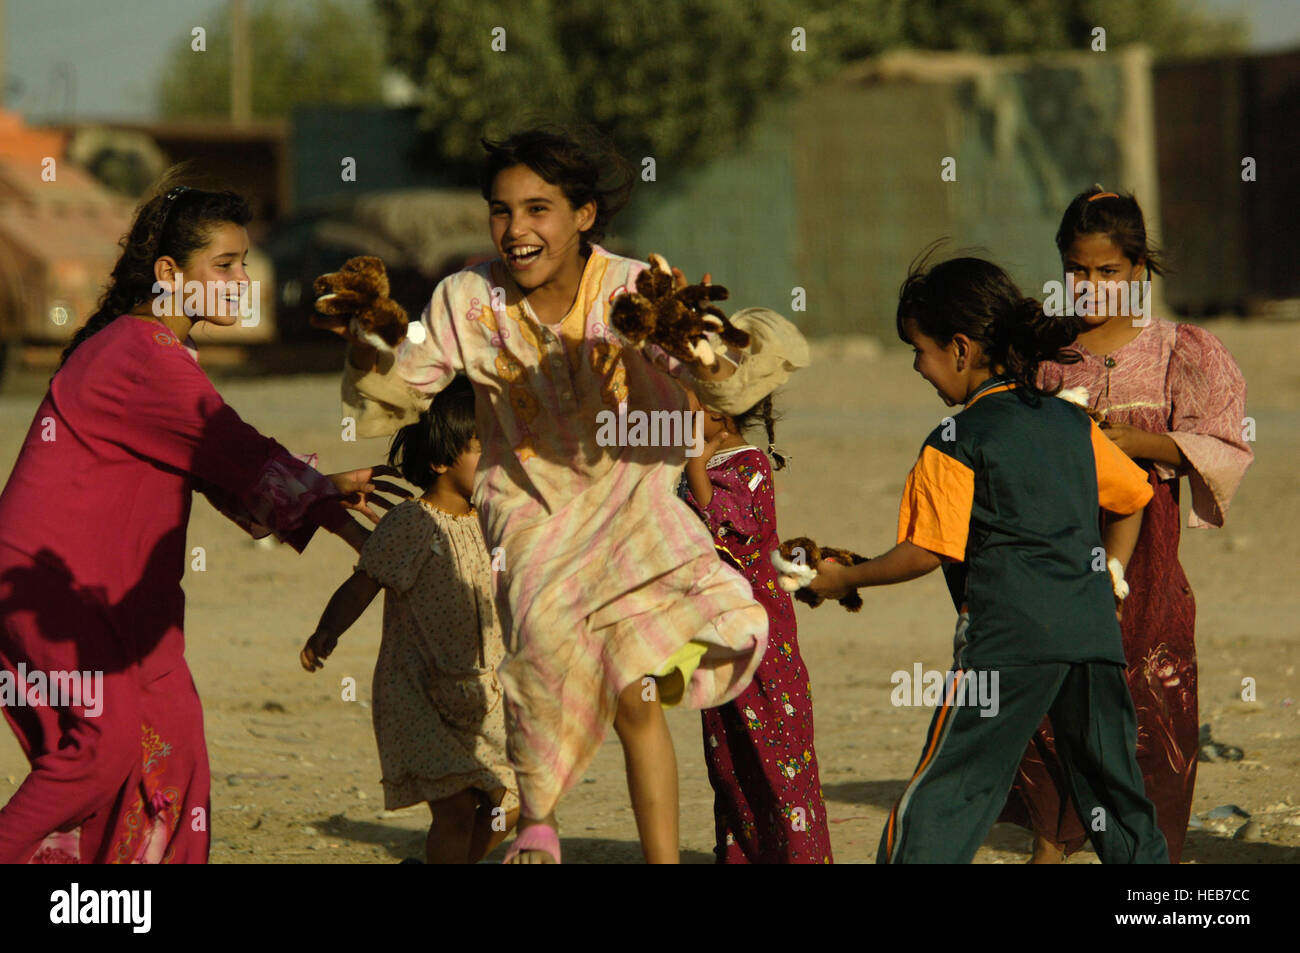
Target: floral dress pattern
1179,380
767,801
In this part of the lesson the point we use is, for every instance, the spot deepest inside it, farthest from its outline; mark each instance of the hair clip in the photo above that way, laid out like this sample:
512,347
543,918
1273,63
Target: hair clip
779,458
176,193
1102,195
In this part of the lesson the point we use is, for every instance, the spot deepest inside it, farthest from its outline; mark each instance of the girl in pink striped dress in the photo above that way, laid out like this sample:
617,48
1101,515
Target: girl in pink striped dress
606,577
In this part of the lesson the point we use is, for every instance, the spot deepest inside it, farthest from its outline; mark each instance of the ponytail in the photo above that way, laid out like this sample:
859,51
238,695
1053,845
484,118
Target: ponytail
762,411
116,301
1029,336
976,298
175,222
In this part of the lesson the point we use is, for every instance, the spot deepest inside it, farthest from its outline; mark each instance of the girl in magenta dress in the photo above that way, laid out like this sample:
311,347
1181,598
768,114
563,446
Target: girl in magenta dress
767,795
93,550
1171,397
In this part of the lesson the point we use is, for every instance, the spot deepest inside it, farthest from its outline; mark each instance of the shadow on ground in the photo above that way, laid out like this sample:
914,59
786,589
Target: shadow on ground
884,794
878,793
402,844
1206,847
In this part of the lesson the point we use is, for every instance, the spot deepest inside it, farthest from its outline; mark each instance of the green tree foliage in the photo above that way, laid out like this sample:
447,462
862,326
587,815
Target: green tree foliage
681,81
466,90
670,80
327,51
1169,27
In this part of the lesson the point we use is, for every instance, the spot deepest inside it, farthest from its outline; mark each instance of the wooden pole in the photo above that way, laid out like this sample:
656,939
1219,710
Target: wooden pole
241,105
4,80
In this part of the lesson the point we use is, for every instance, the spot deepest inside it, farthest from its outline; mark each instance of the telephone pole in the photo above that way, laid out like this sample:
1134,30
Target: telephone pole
4,79
241,100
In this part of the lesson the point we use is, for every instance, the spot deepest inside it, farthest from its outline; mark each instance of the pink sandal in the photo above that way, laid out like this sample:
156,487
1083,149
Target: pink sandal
541,837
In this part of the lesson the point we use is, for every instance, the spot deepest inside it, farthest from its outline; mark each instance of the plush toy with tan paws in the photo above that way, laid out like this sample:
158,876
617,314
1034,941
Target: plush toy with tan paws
354,300
677,319
795,559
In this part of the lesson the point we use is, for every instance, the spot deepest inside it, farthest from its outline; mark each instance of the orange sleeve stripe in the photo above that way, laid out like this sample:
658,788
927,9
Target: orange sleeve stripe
1122,485
936,507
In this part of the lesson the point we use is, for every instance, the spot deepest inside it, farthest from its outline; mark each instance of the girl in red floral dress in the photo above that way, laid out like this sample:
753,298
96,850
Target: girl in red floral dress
767,796
1173,399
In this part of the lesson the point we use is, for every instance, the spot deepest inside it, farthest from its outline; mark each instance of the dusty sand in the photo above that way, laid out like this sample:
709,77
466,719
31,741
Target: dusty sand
295,771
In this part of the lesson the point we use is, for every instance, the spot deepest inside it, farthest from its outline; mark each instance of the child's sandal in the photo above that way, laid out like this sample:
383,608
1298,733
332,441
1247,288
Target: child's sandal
540,837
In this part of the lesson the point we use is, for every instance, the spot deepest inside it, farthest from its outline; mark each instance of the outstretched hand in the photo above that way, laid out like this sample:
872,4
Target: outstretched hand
358,489
830,582
1129,439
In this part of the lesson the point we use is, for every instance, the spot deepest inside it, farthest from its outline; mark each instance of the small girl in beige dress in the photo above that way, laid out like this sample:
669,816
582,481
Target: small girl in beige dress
438,715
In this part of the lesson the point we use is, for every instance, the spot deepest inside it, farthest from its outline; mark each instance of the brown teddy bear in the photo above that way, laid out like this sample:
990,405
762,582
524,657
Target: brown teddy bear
355,300
676,319
795,559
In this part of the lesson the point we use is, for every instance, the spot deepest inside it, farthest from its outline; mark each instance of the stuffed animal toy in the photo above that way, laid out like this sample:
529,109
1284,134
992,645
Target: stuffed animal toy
1079,397
355,300
676,319
795,559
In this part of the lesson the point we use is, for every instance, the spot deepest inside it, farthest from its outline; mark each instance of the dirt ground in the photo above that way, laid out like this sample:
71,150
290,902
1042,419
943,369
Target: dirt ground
295,770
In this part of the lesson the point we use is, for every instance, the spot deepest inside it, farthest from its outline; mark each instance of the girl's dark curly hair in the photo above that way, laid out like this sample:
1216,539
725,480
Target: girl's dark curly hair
580,162
176,221
1117,216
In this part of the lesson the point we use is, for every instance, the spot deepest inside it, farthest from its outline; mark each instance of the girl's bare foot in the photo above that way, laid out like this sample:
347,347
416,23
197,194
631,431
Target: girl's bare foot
534,856
1045,852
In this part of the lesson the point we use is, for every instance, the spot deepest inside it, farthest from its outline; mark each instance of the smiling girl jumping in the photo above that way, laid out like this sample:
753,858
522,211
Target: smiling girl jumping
611,593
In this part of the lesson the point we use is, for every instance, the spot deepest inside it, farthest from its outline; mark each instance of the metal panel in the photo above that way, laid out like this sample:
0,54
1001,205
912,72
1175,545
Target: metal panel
734,218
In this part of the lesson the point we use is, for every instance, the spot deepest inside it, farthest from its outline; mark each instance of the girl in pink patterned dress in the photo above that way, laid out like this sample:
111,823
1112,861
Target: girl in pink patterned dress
767,796
1173,399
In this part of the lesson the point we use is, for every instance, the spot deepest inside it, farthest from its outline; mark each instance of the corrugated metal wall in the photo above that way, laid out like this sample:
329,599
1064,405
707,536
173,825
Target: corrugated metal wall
1230,241
735,217
384,142
838,191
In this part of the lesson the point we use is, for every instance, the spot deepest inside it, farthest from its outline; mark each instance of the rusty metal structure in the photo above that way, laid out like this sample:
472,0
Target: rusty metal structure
59,231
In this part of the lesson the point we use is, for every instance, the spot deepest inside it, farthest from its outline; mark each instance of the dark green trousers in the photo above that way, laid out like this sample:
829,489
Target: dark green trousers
970,761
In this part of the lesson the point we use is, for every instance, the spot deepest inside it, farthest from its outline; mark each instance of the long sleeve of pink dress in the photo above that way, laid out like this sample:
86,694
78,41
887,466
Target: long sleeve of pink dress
93,544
